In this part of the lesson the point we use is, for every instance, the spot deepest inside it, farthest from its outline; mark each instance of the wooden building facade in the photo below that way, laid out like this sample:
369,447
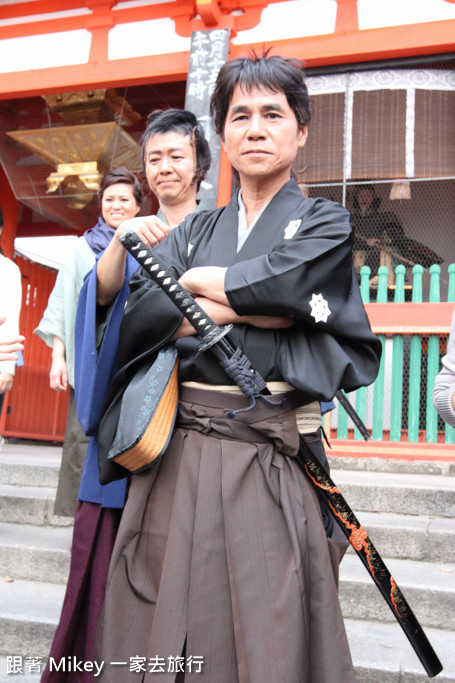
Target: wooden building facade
77,81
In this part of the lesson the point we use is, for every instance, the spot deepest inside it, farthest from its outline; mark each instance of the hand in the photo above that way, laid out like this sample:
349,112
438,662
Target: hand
9,347
6,382
150,229
110,271
58,376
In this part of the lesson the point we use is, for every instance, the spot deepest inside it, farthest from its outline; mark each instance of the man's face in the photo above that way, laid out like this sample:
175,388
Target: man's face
170,167
261,134
364,200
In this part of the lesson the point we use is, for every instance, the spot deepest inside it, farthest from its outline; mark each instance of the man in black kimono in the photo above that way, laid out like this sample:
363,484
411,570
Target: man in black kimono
222,560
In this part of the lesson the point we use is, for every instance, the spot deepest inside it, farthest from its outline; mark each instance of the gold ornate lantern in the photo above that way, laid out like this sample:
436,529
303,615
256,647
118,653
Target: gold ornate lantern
84,152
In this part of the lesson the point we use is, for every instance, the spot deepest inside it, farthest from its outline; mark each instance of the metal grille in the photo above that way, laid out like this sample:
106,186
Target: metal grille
382,143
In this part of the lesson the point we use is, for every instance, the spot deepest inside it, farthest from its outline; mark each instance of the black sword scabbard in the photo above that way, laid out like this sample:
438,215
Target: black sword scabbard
352,414
238,367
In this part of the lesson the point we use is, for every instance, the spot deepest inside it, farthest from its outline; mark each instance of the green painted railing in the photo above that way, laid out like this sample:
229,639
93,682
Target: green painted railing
415,365
398,406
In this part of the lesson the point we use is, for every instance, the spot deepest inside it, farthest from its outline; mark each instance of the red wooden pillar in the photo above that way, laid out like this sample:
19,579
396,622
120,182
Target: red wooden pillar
347,16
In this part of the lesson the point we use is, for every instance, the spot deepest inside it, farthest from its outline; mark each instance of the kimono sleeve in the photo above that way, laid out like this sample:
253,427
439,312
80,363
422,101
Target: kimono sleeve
311,278
150,318
444,384
314,265
52,323
95,364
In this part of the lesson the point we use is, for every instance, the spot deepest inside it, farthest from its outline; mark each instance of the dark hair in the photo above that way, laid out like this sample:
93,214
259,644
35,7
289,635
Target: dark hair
1,217
121,175
184,122
271,73
375,200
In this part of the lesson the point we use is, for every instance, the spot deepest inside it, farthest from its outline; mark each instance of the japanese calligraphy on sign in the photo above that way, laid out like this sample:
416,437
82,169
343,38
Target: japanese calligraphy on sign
209,51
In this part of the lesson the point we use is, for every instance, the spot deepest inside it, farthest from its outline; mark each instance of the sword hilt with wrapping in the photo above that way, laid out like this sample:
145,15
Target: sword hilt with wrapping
234,362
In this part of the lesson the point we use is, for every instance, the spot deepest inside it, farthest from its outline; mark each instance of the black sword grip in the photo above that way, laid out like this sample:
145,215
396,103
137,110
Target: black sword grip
233,360
202,323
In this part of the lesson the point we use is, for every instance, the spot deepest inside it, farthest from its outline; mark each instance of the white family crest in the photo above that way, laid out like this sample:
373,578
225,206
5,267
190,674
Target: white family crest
190,246
292,228
319,308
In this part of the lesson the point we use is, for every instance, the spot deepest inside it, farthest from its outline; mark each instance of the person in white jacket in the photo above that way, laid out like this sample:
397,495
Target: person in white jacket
444,385
10,307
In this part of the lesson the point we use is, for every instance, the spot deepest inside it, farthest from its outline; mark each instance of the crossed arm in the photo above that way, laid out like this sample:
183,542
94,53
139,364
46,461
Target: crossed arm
206,285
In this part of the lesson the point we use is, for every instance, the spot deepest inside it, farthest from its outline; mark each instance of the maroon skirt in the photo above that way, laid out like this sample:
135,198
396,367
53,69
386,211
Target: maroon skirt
94,534
222,569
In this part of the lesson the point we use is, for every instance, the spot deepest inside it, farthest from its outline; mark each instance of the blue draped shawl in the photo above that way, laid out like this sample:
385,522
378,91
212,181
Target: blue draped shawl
94,369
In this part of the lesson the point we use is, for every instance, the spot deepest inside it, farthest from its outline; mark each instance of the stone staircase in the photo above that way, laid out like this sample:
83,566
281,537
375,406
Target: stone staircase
34,557
408,509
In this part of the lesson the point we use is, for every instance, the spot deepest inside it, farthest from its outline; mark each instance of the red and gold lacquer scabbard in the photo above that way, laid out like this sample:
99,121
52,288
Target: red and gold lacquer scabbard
374,564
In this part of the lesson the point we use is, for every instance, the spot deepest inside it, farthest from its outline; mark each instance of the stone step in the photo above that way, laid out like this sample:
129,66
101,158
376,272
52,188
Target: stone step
411,537
26,465
35,553
407,509
411,494
30,505
29,612
429,589
43,553
382,653
442,466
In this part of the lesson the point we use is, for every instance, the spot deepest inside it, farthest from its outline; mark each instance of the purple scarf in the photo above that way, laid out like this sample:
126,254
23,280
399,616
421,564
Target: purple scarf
99,236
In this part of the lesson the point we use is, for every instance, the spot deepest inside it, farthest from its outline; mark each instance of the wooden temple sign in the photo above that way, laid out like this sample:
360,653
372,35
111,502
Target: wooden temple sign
410,318
209,51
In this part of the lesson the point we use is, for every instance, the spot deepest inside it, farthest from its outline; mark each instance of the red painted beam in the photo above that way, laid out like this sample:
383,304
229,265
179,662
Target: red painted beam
410,318
393,42
391,450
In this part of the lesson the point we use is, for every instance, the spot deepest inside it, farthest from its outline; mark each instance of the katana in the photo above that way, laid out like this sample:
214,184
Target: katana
353,415
238,367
